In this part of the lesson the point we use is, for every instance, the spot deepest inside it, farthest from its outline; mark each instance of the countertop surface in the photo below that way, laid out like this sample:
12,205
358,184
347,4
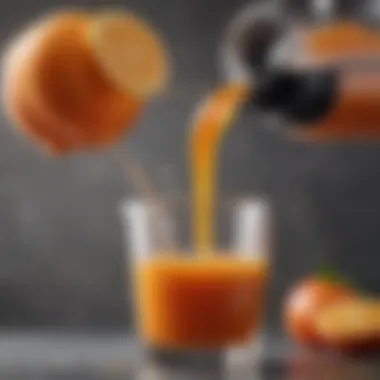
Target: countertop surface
118,357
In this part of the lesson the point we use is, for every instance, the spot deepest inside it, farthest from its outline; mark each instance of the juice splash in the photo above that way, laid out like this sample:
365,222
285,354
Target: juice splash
213,118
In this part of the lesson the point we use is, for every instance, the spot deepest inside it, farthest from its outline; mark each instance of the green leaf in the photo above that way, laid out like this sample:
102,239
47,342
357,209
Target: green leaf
331,274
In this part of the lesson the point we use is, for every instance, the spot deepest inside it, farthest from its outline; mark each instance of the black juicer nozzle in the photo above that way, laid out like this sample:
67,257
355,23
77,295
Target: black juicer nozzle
302,96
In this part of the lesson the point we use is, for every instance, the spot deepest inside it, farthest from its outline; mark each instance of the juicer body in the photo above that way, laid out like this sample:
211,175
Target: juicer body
333,35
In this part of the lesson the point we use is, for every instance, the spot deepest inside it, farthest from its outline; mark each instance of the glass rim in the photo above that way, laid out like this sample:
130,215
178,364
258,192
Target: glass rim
184,201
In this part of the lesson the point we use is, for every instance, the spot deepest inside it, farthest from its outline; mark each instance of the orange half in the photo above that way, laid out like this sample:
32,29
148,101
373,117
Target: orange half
77,80
130,52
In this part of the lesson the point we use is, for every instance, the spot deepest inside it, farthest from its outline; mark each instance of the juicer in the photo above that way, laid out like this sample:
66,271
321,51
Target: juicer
313,64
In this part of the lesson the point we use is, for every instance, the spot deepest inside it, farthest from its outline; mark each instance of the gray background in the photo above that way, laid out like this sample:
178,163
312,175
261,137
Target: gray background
61,253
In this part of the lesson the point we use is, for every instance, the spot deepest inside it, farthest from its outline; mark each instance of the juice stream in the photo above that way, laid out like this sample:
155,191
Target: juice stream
212,120
207,301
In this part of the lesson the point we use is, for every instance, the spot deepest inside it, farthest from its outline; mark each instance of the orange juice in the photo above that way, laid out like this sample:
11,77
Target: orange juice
199,303
210,299
211,121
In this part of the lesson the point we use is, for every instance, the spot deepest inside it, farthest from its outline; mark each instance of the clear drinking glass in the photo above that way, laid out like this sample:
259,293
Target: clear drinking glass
190,305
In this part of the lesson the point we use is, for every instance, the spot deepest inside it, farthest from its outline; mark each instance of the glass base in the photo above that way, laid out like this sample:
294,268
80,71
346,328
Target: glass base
230,363
186,358
229,356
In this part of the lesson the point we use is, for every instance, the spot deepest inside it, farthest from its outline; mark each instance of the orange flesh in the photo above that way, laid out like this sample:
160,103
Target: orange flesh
350,320
144,58
305,301
194,303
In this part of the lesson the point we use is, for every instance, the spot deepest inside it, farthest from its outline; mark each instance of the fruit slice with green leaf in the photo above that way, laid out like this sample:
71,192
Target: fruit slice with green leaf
307,297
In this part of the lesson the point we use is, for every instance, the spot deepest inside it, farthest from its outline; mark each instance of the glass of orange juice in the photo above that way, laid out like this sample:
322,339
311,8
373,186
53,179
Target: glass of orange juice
188,302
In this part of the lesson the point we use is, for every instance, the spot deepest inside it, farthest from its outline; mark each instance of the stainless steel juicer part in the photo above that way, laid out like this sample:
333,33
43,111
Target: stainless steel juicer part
267,34
246,41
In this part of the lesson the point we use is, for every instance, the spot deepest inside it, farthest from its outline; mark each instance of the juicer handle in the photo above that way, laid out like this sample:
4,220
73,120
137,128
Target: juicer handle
248,40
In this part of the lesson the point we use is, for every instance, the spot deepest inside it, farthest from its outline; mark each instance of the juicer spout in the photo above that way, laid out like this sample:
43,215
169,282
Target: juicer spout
302,97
